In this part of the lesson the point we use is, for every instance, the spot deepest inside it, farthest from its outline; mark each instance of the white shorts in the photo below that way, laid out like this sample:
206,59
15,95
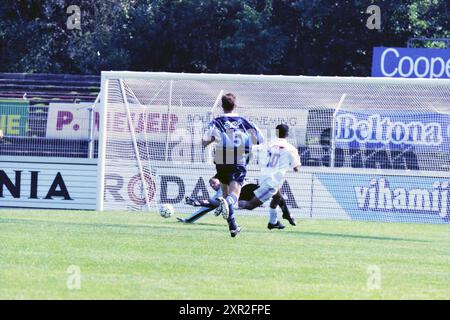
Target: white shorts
265,192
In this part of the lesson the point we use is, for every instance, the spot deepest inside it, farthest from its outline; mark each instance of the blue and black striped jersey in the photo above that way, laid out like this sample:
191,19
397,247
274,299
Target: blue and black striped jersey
235,137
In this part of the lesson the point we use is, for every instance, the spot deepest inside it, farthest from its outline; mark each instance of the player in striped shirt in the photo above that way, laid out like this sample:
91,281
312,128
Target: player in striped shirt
234,137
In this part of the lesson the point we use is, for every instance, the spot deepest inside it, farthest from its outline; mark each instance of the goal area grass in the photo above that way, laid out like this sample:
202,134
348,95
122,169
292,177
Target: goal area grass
125,255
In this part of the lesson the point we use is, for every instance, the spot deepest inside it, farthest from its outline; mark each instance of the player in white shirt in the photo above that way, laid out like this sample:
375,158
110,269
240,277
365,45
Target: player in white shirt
281,157
208,205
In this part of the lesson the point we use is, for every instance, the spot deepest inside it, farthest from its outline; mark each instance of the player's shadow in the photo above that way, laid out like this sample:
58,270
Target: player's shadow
199,224
131,226
192,226
352,236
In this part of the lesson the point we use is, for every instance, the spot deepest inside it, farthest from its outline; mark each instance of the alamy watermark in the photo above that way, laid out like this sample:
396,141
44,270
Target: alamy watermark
374,20
74,20
374,278
73,277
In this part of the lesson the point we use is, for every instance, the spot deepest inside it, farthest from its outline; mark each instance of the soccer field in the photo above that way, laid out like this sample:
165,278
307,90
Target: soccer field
143,256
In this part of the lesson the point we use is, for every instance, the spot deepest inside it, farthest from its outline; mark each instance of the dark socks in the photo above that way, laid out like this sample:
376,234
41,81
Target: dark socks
284,207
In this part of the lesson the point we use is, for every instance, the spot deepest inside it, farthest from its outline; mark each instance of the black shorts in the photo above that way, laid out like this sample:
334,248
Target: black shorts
248,192
230,172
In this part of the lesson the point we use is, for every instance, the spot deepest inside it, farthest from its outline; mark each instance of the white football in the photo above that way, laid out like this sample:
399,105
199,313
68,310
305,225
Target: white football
166,210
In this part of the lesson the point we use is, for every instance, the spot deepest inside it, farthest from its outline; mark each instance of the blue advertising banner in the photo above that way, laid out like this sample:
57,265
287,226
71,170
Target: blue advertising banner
394,140
396,130
388,198
411,63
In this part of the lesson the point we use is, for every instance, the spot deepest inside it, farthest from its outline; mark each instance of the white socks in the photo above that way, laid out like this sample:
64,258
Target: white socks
273,216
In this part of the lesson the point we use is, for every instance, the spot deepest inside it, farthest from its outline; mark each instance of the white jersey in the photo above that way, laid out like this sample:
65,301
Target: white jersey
281,156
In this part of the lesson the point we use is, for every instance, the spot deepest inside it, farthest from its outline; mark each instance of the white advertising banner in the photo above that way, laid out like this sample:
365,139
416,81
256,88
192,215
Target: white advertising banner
71,121
123,189
158,123
48,183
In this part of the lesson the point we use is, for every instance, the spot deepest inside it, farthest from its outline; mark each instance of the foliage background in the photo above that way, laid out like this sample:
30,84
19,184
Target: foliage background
309,37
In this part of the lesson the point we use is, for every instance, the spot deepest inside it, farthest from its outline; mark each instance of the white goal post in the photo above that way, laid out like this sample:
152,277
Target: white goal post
373,149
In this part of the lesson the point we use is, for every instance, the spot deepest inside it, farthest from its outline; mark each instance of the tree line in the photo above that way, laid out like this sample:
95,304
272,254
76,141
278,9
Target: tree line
308,37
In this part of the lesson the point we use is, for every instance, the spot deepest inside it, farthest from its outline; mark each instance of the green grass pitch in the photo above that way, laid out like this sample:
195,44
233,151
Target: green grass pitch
143,256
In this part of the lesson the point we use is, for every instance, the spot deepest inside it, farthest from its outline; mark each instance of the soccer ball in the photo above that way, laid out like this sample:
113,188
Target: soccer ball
166,210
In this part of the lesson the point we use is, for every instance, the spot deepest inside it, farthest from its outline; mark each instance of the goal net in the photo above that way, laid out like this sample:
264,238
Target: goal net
371,149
